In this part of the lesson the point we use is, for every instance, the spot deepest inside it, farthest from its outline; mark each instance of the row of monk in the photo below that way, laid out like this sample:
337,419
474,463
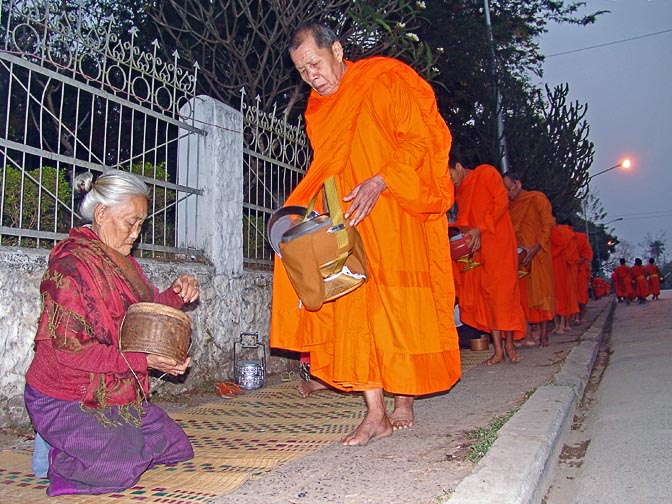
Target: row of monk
523,270
636,282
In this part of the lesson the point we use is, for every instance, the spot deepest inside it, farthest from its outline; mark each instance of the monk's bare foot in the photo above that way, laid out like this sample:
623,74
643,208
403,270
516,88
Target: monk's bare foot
495,359
368,430
402,417
306,388
527,341
512,354
543,342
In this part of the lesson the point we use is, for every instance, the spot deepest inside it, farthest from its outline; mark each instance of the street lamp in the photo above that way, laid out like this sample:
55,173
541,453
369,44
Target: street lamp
623,164
597,243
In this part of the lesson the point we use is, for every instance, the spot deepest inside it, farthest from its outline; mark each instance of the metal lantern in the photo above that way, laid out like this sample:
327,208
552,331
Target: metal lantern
249,374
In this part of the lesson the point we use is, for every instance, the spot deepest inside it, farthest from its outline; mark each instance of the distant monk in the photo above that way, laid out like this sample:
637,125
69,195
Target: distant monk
639,280
583,272
489,294
618,289
624,281
600,287
533,220
565,260
654,278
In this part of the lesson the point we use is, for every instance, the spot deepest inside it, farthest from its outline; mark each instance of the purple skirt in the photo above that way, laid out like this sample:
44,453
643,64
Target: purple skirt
87,458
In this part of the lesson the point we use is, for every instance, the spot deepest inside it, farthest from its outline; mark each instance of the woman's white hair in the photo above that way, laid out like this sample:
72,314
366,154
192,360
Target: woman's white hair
111,189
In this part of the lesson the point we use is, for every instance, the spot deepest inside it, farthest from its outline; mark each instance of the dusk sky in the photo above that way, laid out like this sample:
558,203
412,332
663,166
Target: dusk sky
627,84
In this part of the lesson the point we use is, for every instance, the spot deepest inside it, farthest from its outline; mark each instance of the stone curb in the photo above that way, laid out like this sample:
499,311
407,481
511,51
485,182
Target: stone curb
520,464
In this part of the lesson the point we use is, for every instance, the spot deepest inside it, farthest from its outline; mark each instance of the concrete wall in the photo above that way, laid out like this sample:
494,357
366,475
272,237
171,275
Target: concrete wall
232,300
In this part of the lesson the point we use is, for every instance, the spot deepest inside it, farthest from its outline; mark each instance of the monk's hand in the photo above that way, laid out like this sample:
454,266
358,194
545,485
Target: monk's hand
186,287
363,197
475,235
531,252
167,365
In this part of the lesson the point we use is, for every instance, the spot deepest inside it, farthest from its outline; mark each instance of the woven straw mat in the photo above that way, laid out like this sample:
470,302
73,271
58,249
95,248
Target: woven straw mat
234,440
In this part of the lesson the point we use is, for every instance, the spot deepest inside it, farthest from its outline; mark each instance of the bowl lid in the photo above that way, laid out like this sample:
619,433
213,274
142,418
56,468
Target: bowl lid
283,219
309,226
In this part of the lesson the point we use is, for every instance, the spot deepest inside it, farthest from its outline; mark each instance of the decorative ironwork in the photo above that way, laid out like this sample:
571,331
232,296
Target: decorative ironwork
75,44
276,155
82,95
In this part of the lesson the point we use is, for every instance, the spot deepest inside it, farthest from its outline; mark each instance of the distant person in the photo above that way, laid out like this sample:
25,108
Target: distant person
565,263
489,294
585,252
374,125
653,273
532,218
600,287
639,280
624,281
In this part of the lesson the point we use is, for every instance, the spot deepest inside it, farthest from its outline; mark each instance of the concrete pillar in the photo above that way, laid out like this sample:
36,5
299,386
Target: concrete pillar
213,162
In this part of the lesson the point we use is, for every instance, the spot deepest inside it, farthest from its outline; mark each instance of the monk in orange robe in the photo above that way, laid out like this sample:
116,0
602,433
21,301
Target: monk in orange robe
600,287
374,125
639,279
565,261
617,287
653,273
533,220
624,281
489,293
583,272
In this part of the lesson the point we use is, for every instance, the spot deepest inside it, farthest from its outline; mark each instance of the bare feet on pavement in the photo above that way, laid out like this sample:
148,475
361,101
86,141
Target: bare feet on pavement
369,429
512,354
495,359
402,417
527,341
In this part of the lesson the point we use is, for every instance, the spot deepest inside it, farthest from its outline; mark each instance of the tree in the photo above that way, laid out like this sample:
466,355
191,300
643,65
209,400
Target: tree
467,93
243,43
549,147
654,246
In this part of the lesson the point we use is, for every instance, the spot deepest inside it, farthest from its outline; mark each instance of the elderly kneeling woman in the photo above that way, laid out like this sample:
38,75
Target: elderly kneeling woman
84,397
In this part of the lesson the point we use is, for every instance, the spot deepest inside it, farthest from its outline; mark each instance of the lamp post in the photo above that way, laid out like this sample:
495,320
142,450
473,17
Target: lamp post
503,151
597,243
623,164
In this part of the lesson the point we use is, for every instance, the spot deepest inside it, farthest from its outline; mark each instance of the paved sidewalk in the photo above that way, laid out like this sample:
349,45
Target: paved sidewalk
628,459
427,464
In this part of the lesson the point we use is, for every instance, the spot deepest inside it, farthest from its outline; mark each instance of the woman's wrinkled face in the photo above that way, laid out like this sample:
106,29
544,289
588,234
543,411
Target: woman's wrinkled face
321,67
118,227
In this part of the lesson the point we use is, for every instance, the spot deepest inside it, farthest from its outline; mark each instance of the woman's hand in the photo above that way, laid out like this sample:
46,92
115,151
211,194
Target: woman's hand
167,365
186,287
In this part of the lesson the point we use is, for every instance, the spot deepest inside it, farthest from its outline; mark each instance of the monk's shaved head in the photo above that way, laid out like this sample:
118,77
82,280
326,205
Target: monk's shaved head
323,36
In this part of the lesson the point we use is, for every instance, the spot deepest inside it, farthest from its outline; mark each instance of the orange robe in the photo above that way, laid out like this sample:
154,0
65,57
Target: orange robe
397,331
654,279
565,261
624,282
533,220
490,296
583,272
600,287
639,280
618,288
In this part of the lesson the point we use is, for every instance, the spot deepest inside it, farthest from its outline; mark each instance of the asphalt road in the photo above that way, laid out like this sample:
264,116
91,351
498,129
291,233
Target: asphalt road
627,441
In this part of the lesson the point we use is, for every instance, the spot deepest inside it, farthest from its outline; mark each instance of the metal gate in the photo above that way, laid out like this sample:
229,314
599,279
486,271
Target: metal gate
78,97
